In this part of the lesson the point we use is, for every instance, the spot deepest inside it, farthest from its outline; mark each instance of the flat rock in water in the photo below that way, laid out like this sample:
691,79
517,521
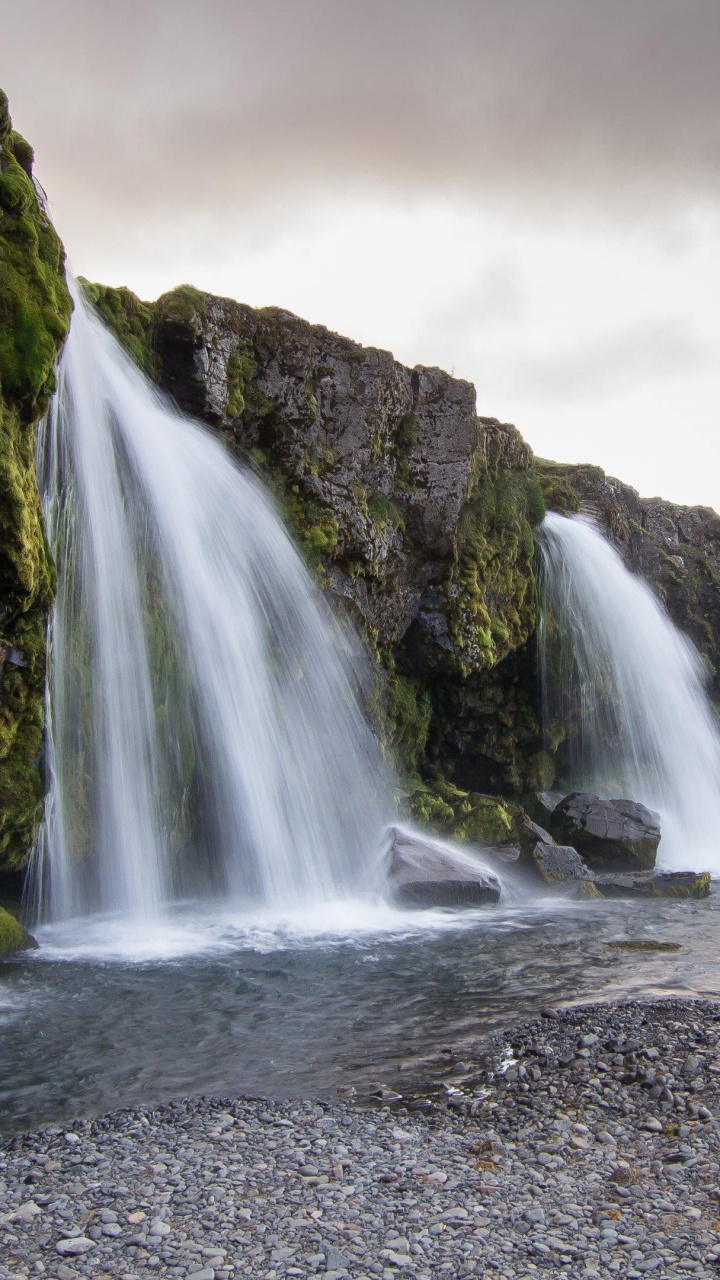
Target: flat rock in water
609,834
653,884
427,873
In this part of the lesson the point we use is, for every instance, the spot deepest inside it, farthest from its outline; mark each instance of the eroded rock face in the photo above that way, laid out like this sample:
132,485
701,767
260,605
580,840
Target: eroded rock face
427,873
608,833
417,512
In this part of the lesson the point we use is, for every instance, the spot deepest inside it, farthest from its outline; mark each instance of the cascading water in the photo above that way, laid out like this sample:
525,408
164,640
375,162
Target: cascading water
626,688
203,706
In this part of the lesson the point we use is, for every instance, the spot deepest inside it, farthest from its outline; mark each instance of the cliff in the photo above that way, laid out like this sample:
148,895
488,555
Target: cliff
34,317
418,516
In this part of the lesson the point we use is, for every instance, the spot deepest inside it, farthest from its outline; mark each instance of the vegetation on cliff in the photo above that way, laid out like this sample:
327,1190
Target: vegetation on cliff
35,312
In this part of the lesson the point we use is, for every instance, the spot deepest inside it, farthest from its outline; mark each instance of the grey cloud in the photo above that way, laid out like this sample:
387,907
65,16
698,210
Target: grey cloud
612,366
259,103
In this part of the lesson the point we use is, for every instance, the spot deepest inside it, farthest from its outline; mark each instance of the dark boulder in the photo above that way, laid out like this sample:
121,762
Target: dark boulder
610,834
558,863
423,872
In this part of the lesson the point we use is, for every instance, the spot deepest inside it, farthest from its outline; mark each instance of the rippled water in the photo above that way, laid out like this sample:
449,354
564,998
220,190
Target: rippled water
100,1017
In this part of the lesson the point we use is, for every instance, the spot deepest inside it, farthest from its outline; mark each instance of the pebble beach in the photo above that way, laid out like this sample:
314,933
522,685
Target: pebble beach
586,1142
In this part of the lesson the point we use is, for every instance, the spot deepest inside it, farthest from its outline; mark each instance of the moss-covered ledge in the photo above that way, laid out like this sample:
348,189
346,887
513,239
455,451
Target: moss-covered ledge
35,310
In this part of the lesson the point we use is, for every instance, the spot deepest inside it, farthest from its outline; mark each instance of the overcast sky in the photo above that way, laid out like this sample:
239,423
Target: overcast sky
526,192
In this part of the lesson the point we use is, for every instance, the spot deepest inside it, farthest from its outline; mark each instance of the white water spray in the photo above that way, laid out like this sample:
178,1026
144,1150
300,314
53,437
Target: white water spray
205,730
627,687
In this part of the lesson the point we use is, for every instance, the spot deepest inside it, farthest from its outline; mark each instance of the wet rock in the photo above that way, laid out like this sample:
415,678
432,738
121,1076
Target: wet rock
547,801
427,873
558,863
653,884
608,833
13,937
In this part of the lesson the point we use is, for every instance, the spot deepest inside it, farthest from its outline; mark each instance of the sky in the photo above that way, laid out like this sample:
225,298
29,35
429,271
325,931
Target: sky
524,192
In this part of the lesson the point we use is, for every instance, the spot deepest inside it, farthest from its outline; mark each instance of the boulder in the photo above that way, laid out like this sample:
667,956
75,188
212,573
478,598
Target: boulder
556,863
423,872
559,863
547,802
653,884
610,834
13,937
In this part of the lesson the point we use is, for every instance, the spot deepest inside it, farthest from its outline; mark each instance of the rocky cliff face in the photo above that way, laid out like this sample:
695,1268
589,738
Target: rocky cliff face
34,316
418,516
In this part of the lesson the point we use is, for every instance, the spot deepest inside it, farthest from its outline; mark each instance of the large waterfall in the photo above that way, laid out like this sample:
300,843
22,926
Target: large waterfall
626,689
205,728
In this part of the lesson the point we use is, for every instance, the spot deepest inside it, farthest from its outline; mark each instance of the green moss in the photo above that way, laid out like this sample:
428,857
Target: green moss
466,815
12,935
128,318
184,305
557,488
35,310
492,590
690,886
407,715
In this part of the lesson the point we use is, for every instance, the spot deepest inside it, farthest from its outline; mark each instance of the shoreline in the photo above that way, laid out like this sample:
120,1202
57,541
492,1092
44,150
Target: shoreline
587,1144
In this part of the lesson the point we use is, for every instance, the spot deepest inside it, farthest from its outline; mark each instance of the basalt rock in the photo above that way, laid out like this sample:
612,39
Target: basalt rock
556,863
426,873
608,833
653,884
415,509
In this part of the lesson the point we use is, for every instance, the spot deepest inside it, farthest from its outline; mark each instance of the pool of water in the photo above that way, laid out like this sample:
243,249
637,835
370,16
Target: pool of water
353,995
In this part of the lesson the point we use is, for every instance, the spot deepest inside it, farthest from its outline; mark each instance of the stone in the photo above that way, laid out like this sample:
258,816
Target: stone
13,937
653,884
423,872
548,801
609,834
559,863
75,1246
335,1260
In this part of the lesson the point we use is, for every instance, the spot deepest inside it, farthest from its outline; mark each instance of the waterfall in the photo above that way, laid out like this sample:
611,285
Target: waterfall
626,689
205,729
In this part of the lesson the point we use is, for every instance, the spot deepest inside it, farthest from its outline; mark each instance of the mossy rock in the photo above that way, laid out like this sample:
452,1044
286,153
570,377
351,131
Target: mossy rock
13,937
654,884
465,815
35,309
492,590
130,319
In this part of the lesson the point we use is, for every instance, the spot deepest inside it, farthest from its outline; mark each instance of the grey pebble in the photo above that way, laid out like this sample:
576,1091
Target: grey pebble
597,1154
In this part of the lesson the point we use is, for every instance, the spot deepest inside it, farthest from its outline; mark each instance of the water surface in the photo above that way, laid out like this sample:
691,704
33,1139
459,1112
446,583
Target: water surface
107,1014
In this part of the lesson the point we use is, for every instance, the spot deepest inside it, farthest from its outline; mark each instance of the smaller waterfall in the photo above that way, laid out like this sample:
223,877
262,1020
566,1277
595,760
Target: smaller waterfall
206,734
626,688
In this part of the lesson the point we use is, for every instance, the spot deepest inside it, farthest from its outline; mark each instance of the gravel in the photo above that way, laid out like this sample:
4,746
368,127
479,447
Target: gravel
584,1143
